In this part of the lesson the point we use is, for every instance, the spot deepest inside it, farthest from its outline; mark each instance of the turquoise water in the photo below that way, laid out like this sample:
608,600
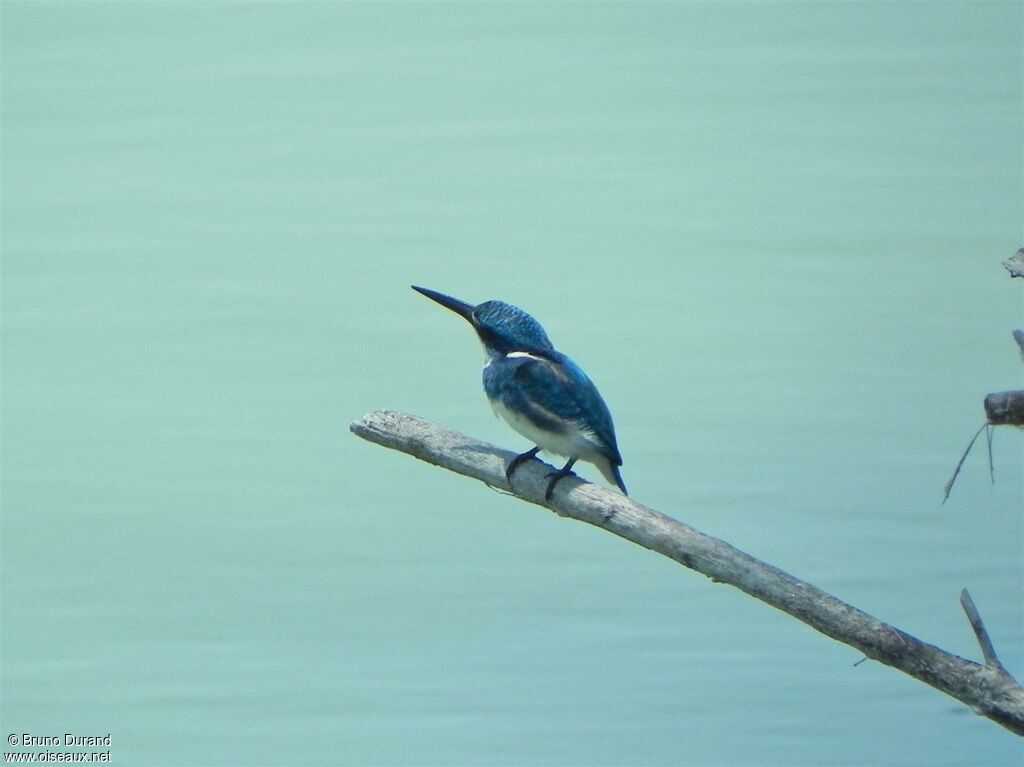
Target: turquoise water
770,232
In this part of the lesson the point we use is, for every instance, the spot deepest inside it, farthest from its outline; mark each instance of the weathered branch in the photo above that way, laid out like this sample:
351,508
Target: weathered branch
986,688
1005,408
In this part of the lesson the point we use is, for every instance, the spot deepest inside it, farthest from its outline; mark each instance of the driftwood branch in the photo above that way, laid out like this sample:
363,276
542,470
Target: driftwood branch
987,688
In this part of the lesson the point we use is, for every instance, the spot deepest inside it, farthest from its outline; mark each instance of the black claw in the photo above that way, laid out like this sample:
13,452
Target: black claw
519,459
556,476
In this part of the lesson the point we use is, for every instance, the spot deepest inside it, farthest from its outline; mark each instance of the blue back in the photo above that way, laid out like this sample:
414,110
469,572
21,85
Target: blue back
553,392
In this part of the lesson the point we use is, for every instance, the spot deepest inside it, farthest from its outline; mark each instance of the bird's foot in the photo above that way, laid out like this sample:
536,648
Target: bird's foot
556,476
519,459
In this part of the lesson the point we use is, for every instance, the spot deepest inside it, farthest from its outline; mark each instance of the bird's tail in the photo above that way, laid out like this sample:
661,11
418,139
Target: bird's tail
612,474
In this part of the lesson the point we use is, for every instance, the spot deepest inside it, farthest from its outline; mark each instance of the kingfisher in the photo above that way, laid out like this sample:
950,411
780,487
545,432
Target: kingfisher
539,391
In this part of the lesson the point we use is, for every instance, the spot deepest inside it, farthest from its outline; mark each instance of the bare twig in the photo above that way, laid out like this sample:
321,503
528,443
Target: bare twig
982,687
960,463
987,650
991,464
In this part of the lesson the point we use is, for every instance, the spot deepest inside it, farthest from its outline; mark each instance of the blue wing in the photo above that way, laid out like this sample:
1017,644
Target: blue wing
555,389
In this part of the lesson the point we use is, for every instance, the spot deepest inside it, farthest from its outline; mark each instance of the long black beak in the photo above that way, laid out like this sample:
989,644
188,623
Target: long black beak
459,307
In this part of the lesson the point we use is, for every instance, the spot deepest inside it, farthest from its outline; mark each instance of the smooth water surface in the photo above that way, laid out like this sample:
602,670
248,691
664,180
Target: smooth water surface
772,234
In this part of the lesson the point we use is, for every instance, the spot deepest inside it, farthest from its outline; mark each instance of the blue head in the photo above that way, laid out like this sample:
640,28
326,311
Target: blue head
502,328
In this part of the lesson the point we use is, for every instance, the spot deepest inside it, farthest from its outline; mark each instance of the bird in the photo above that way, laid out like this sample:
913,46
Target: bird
538,391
